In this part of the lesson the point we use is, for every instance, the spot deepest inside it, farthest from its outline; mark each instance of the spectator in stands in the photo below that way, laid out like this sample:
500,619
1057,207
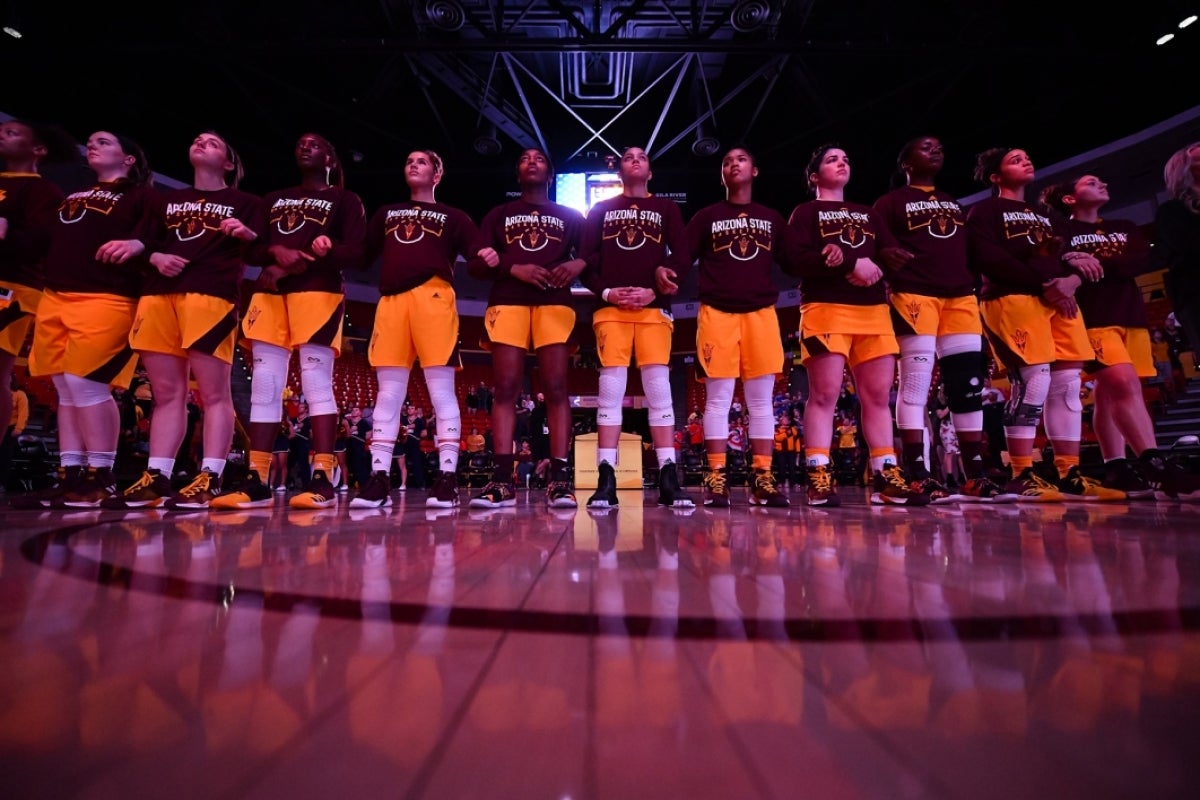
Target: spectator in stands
474,442
299,447
787,449
416,433
187,457
1160,350
358,460
281,450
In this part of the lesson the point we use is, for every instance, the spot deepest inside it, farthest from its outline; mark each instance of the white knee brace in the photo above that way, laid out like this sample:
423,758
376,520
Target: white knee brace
316,378
718,399
440,381
267,380
758,403
610,395
1063,416
917,356
385,419
656,382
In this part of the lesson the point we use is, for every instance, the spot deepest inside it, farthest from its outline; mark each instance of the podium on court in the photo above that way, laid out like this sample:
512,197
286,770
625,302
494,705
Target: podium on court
628,467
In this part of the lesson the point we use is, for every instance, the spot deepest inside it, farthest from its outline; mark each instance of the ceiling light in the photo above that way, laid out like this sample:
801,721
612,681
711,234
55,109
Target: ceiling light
1165,38
446,15
750,15
1188,21
16,34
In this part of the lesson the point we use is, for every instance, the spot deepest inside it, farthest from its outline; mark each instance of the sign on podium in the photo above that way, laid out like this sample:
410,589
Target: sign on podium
628,468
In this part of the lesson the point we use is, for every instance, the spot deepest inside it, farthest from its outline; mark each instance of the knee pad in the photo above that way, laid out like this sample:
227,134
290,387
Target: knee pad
1024,407
758,404
1063,415
440,382
718,397
610,395
86,392
915,366
316,378
962,376
267,380
656,382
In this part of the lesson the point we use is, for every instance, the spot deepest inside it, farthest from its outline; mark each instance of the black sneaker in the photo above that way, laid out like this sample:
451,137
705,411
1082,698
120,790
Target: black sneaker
716,488
982,490
318,494
606,488
1077,486
938,492
68,477
445,491
151,490
376,494
494,495
822,488
97,487
1030,487
764,491
196,496
891,487
246,493
559,495
1123,476
670,493
1171,480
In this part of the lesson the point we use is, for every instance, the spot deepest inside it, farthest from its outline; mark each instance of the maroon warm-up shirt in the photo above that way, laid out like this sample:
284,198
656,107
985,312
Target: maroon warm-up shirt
736,246
521,232
187,223
1002,235
858,230
932,226
418,241
88,219
296,216
29,202
1124,252
625,239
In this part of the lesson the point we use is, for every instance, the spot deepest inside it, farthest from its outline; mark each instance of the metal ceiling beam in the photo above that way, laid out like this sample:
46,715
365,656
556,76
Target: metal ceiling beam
464,83
590,44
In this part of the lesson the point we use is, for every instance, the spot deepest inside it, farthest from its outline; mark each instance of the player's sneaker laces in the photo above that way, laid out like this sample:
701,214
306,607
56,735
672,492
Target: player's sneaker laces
821,487
764,491
890,486
716,488
197,494
559,495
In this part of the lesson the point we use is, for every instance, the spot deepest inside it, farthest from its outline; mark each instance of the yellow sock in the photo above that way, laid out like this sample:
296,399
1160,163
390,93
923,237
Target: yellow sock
1064,463
326,462
1021,463
716,460
761,462
260,462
